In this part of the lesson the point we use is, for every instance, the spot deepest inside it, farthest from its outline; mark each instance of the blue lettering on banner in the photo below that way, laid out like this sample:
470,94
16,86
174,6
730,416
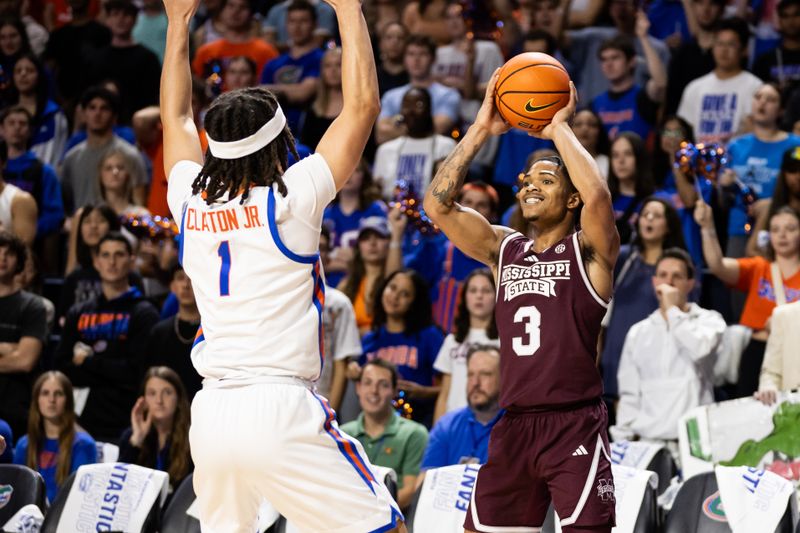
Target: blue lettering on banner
116,482
618,451
752,478
467,485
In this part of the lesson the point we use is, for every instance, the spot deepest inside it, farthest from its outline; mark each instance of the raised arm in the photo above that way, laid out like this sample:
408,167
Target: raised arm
344,142
598,230
725,268
181,140
469,231
657,84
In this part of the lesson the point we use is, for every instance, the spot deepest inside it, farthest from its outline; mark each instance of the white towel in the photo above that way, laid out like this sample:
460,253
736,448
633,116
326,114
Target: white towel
754,499
28,519
112,497
636,454
444,498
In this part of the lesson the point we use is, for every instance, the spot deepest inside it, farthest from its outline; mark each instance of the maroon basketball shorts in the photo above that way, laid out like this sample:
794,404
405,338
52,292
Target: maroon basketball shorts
538,457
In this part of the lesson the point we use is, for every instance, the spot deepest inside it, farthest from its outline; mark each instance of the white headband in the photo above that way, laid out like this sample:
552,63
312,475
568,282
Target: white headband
249,145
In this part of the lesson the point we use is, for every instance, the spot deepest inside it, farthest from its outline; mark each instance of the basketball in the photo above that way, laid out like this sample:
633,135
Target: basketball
531,88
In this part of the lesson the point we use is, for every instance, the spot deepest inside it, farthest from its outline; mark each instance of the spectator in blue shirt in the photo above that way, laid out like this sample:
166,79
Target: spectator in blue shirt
54,446
756,159
418,57
293,76
25,170
462,436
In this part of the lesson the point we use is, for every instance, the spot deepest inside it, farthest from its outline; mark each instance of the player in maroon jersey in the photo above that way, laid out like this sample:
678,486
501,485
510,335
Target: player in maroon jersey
552,293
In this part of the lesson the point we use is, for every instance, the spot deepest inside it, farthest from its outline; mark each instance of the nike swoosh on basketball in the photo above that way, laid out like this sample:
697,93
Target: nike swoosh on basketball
534,108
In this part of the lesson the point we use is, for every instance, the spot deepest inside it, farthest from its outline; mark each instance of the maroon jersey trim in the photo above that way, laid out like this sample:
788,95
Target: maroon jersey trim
577,246
587,487
503,243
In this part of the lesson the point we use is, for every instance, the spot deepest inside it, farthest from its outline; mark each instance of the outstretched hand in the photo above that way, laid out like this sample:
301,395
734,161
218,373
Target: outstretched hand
488,115
562,116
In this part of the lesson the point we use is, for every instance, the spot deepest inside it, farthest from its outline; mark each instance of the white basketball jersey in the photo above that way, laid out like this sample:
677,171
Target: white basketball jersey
256,273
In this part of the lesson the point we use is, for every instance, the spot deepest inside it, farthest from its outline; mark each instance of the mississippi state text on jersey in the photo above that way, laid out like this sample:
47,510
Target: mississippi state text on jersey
548,317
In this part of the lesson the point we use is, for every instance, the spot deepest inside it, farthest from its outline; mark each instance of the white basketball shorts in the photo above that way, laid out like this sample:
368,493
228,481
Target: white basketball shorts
278,440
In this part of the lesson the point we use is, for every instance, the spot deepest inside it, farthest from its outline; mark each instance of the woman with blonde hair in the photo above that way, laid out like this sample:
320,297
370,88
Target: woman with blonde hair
114,178
159,433
54,446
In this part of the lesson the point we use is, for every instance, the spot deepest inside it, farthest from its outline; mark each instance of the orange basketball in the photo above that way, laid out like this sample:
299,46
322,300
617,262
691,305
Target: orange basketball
531,88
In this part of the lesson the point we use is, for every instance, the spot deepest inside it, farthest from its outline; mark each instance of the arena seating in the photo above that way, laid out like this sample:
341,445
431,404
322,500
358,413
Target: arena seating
53,516
175,519
693,512
25,486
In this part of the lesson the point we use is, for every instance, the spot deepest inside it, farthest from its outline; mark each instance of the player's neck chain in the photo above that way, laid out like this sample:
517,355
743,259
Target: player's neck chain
181,338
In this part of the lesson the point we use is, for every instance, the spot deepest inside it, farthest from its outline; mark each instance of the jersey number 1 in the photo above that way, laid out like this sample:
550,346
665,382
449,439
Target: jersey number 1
224,252
529,343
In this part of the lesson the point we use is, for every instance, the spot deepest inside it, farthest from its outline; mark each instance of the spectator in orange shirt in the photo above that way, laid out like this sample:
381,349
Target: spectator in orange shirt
212,59
754,275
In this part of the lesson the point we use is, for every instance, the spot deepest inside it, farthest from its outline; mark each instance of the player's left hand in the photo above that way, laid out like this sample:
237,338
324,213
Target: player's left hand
563,116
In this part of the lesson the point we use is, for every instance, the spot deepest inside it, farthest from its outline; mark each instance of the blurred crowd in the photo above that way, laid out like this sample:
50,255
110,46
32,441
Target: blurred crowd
97,318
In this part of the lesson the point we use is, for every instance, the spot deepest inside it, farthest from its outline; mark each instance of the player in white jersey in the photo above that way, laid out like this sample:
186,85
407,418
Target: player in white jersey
249,241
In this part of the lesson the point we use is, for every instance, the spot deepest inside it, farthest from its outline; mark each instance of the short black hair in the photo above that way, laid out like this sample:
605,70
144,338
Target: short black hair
423,41
736,25
116,236
681,255
303,5
104,94
173,271
382,363
620,42
560,167
16,247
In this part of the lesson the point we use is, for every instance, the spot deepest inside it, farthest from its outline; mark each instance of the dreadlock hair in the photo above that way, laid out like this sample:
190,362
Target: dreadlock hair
234,116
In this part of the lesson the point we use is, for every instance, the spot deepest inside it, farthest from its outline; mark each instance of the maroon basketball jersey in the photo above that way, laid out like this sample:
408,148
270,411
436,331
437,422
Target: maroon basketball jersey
548,316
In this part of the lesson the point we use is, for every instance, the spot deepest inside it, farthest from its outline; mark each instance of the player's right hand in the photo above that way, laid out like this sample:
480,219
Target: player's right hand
489,117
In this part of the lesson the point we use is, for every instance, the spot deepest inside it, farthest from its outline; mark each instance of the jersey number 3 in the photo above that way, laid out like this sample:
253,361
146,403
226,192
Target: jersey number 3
528,343
224,253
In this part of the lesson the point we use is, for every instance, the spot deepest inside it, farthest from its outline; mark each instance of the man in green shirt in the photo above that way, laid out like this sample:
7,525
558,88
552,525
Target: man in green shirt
388,439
